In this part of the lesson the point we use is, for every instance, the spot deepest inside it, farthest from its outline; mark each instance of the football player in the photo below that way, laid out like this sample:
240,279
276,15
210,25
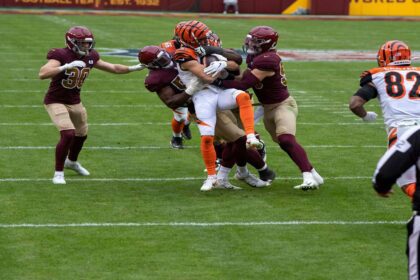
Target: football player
394,163
181,119
265,74
163,79
193,36
397,86
68,68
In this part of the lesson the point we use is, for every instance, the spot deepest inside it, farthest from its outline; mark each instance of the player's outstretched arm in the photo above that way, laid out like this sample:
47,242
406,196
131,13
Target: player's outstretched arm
117,68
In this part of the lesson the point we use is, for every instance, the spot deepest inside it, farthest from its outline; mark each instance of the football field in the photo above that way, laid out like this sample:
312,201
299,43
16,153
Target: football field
141,215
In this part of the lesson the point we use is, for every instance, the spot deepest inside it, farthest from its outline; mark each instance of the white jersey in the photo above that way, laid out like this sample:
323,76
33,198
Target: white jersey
399,94
208,101
187,77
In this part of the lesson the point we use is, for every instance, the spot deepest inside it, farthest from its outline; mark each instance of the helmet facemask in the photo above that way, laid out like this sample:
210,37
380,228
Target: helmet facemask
254,45
82,46
154,57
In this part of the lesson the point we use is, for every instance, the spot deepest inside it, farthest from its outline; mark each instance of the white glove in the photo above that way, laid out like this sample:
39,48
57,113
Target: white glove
215,68
137,67
194,86
76,63
370,117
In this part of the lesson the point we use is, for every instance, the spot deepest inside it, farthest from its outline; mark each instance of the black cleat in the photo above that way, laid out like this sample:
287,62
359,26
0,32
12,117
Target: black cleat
186,132
267,175
176,142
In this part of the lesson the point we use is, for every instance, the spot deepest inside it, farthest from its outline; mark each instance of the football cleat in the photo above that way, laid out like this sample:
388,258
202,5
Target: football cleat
76,166
251,180
186,132
267,175
317,177
225,184
309,182
58,178
176,142
253,142
208,183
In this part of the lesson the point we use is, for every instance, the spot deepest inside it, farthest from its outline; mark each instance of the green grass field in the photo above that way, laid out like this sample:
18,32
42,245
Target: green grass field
137,217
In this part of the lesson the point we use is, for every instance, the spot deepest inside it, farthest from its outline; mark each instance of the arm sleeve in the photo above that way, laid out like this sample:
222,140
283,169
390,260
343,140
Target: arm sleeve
367,92
248,81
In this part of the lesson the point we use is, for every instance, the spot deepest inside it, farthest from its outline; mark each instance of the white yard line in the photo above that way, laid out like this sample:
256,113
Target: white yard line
84,179
203,224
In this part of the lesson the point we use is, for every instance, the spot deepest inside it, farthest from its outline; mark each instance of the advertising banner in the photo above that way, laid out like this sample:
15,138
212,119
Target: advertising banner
148,5
384,8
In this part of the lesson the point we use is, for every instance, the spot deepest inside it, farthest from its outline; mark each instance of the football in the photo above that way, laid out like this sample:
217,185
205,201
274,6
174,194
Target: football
208,59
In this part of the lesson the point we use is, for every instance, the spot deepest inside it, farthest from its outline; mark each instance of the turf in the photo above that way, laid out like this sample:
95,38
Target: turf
342,231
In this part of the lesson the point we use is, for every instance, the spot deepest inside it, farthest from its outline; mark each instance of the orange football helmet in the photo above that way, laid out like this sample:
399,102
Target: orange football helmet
394,53
177,29
194,34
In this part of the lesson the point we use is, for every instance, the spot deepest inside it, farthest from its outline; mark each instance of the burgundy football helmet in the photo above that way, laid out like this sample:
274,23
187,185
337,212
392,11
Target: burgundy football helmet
80,40
260,39
155,57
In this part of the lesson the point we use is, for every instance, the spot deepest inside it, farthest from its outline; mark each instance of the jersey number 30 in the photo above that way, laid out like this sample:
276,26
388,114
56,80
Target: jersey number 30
75,77
395,85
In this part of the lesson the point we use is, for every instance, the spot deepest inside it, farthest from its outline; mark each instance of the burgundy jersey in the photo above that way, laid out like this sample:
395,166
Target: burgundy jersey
272,89
163,77
65,86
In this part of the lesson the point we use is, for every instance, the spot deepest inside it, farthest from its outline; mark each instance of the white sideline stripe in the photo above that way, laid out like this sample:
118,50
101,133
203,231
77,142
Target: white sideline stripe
167,123
192,146
205,224
161,179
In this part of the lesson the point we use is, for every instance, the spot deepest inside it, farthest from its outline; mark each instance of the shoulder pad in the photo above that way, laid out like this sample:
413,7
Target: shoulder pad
185,54
267,61
94,55
169,46
56,54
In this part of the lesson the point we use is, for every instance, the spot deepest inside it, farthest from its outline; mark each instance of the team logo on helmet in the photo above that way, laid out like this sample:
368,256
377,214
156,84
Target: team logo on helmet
394,53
